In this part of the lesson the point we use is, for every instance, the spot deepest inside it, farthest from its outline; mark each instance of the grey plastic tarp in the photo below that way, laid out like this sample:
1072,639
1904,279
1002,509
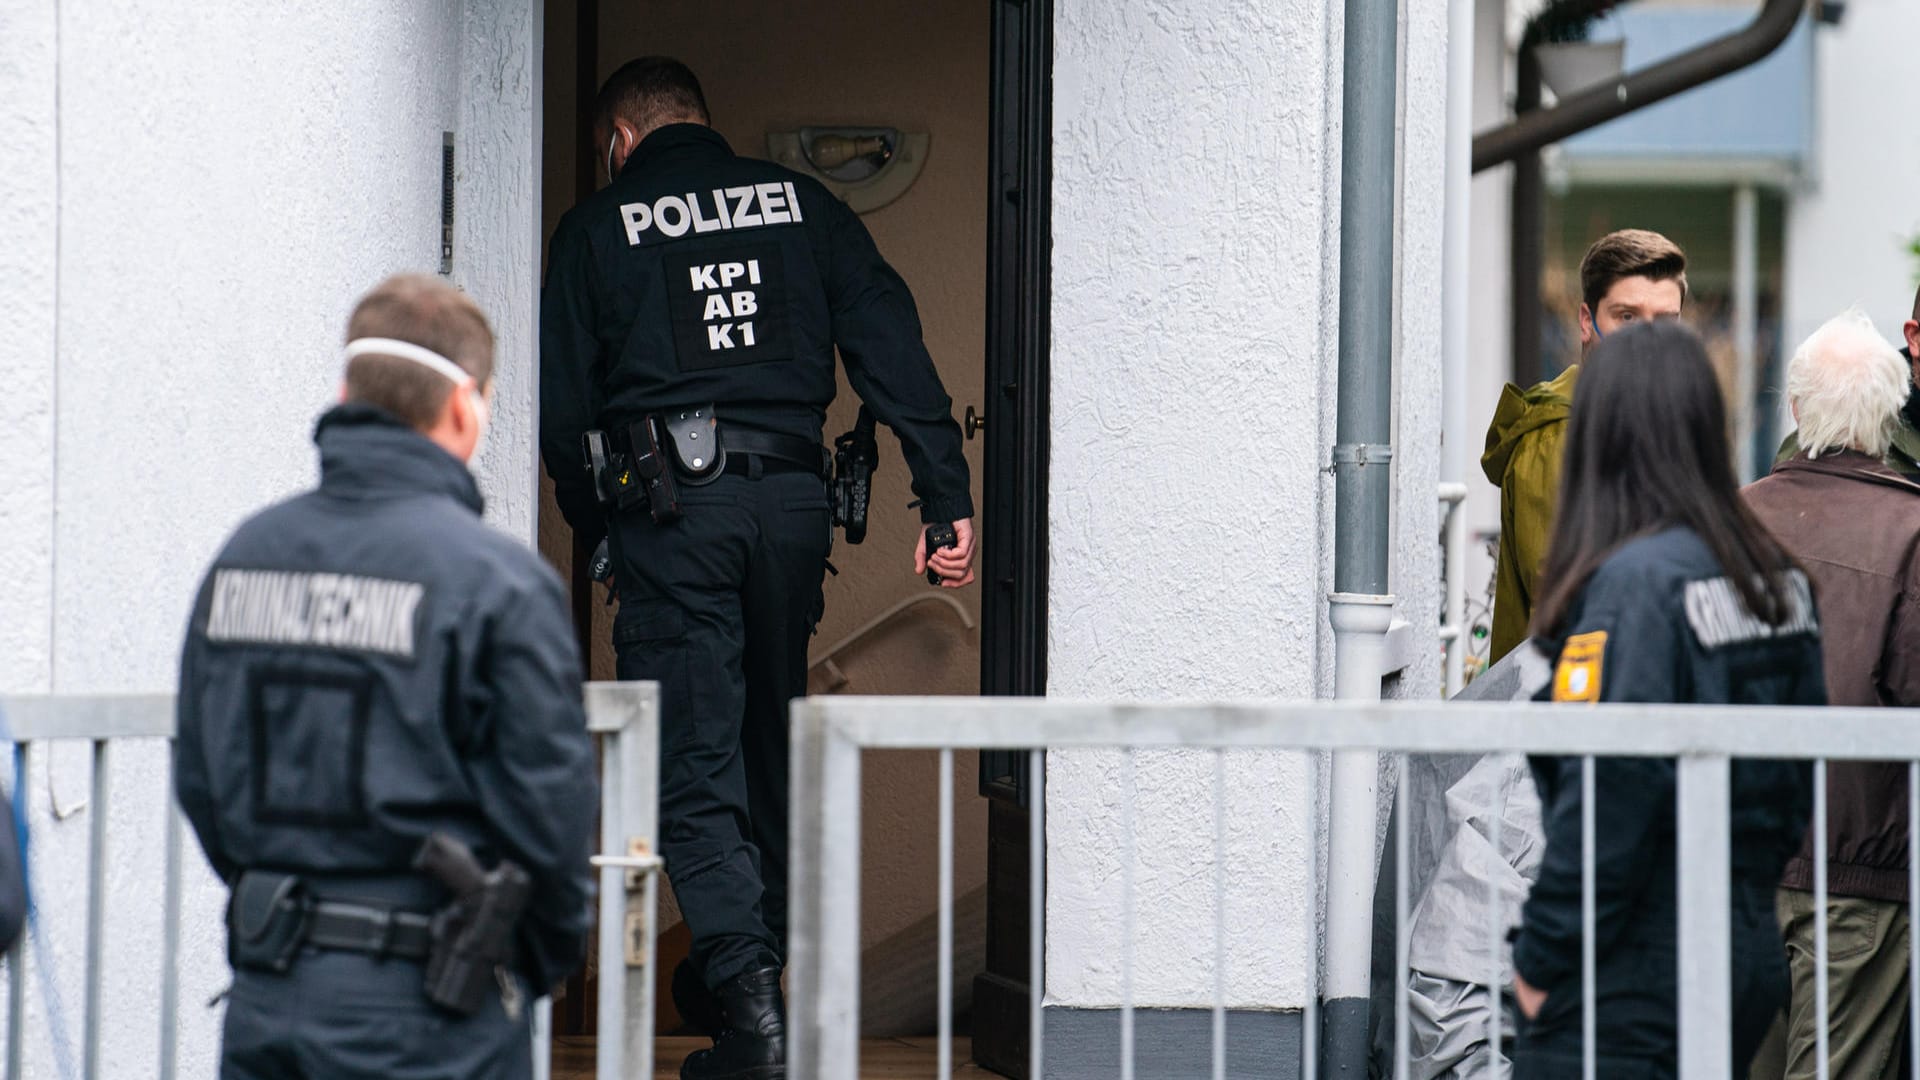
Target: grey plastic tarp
1452,803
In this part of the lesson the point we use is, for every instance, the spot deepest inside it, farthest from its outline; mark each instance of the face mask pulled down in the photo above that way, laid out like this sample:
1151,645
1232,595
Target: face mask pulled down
440,365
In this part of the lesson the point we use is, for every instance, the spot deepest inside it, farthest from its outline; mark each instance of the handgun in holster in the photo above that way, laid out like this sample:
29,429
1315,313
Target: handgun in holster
855,458
473,936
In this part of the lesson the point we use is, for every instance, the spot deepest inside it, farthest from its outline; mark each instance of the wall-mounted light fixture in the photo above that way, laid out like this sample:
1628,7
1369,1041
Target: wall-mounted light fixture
867,167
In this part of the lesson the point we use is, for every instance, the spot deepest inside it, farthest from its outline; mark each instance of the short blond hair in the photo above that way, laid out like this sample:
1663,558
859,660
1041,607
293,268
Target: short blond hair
424,310
1847,386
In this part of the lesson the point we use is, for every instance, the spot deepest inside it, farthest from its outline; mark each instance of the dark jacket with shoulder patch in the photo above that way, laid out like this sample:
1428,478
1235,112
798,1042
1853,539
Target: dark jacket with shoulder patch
1854,523
1658,622
369,663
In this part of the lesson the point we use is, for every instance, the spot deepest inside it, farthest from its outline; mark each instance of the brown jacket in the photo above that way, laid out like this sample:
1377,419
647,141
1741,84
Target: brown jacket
1854,524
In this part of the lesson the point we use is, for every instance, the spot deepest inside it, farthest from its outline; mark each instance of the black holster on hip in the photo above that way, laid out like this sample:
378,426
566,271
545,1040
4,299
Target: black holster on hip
473,936
856,455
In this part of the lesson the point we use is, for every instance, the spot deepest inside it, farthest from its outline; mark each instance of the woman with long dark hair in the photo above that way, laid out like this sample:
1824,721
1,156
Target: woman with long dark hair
1660,587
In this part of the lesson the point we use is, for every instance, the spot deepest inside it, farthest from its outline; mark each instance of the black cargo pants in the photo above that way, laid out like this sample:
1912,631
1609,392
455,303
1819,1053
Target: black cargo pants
718,607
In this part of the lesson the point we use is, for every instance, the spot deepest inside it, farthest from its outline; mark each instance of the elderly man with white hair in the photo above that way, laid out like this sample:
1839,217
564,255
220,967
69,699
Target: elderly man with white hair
1903,452
1853,522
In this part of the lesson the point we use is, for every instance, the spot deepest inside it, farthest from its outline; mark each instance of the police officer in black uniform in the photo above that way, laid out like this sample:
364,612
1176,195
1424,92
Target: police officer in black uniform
689,321
381,742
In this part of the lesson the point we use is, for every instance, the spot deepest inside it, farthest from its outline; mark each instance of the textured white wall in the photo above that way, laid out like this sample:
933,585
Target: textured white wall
27,240
231,177
1195,271
1416,401
1847,232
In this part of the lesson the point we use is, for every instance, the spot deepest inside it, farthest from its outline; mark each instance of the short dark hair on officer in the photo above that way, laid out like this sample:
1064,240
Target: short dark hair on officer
424,310
649,93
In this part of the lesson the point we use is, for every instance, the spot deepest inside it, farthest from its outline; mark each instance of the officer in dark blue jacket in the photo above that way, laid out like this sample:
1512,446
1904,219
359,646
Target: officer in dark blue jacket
1661,588
369,666
690,316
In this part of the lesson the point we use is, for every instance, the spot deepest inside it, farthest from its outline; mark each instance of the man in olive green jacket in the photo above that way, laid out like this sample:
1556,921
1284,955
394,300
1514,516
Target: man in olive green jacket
1628,276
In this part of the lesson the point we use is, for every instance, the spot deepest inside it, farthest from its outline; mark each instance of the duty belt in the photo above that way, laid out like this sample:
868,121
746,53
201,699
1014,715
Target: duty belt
333,924
807,454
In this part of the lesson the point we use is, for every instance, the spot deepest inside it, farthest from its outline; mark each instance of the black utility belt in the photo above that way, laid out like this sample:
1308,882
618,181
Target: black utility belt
467,946
649,460
378,931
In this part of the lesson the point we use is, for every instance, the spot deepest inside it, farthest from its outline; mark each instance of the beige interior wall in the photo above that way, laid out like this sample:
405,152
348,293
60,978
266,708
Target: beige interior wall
921,68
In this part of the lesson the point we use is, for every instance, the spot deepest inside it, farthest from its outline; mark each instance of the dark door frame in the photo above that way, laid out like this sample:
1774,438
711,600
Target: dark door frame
1013,551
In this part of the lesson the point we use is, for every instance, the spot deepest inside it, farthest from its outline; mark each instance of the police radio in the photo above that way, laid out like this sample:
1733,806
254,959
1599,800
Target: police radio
855,458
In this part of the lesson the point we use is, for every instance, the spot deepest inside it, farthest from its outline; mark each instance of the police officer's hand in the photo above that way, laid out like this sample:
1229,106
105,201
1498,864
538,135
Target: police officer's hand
953,564
1528,997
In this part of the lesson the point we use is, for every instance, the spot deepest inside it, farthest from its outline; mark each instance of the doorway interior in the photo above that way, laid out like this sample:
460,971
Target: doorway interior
970,236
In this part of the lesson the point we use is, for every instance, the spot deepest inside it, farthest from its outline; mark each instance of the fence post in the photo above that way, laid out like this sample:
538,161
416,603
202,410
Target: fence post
1706,898
627,716
824,966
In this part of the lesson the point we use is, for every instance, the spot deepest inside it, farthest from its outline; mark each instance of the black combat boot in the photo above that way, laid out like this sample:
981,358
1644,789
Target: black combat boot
699,1009
754,1044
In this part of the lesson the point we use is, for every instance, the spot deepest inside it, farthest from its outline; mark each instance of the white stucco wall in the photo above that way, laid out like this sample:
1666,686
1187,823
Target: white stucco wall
1489,348
230,178
1847,229
26,345
1195,271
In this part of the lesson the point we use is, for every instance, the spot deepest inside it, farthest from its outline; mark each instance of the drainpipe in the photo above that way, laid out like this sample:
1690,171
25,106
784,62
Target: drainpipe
1455,446
1526,249
1360,607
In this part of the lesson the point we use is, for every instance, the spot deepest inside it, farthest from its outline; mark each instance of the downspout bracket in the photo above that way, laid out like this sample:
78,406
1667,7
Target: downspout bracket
1362,453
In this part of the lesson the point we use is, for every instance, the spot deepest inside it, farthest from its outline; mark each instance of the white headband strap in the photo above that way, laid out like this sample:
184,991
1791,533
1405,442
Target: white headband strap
407,350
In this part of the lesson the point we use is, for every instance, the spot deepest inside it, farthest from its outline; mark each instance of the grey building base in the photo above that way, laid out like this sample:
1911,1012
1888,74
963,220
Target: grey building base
1170,1044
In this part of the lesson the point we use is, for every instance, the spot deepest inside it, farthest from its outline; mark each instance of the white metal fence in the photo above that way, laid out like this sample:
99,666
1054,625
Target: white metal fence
830,734
625,717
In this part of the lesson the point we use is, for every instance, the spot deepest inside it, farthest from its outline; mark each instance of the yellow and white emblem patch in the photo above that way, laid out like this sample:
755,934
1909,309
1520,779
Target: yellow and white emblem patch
1577,678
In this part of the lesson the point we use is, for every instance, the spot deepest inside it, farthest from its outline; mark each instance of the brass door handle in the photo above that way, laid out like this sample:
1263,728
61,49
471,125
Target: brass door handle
976,422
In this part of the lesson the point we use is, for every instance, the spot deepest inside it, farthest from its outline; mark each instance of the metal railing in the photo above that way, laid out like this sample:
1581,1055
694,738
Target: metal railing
1453,571
625,716
830,734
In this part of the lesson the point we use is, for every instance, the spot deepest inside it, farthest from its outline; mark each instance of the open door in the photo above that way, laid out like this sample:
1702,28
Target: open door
1013,659
975,80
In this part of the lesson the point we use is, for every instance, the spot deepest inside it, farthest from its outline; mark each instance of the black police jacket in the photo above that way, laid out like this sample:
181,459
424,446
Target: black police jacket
369,663
699,276
1659,622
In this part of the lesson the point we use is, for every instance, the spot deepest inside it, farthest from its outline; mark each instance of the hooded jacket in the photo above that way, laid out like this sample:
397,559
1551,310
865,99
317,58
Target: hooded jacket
1854,524
1522,458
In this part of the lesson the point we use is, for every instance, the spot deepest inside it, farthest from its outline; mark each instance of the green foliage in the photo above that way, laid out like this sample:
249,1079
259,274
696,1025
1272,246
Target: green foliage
1913,250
